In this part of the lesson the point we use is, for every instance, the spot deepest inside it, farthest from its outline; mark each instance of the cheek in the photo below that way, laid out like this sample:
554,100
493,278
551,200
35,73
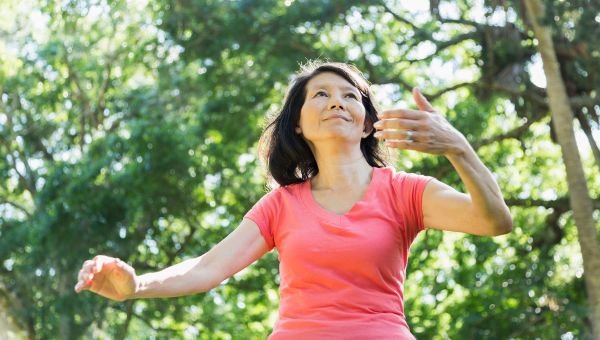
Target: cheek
360,113
308,114
302,118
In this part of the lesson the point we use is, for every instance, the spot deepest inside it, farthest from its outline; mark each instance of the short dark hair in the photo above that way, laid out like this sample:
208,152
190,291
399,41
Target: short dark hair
288,157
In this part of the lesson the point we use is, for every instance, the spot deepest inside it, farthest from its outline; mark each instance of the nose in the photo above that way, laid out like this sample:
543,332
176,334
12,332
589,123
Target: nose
335,102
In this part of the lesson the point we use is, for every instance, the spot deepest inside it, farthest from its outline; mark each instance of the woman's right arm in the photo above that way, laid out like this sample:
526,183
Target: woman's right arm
116,280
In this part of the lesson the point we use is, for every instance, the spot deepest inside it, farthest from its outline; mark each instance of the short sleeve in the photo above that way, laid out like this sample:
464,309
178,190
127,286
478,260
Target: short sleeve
409,190
264,213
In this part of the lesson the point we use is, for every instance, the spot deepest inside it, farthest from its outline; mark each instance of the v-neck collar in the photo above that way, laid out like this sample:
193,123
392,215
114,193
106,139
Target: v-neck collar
312,205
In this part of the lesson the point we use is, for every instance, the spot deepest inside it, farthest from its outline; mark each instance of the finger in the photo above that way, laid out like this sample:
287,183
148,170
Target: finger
402,113
396,123
86,285
88,265
121,264
82,273
422,103
391,135
100,261
126,267
403,144
82,285
85,270
78,287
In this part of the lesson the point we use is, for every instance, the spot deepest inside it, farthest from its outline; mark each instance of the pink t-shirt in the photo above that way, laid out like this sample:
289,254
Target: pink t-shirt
342,276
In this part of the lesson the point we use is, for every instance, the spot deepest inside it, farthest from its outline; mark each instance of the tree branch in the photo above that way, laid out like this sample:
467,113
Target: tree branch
584,101
461,21
439,93
22,318
26,182
17,206
398,17
377,79
587,129
514,133
100,102
186,241
559,203
442,45
28,179
145,320
368,65
85,102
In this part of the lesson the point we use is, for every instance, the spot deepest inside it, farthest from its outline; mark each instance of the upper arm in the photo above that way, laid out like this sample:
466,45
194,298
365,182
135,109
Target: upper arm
235,252
445,208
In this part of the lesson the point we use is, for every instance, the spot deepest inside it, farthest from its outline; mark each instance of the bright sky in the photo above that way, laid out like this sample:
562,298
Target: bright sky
420,10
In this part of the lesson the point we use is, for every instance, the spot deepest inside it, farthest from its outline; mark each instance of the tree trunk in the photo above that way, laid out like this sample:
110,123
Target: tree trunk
580,201
65,325
122,331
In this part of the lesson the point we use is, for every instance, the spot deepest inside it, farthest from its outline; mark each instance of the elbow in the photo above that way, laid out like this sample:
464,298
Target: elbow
503,225
502,230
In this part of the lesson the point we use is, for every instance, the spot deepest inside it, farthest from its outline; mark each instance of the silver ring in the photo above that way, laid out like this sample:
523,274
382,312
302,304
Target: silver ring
409,135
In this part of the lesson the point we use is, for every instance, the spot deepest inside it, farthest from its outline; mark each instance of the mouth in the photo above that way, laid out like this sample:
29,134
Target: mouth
338,116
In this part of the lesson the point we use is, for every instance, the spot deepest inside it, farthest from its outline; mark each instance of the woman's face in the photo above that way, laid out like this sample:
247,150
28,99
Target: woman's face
332,110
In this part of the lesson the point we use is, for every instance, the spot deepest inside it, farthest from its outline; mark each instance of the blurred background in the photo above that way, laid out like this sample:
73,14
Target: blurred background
129,128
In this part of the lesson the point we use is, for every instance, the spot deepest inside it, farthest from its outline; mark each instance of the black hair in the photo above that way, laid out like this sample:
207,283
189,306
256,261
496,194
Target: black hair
288,157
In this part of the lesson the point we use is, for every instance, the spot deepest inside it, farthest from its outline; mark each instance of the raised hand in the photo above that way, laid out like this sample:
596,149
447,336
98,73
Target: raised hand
424,130
107,276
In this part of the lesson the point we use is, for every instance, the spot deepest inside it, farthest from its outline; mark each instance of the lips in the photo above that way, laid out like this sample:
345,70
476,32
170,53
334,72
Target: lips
337,115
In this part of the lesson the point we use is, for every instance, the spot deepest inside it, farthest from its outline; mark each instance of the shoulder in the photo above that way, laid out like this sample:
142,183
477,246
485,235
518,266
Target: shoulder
282,193
390,175
401,183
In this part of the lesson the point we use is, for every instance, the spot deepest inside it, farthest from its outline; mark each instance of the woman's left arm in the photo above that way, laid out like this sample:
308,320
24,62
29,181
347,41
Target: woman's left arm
481,212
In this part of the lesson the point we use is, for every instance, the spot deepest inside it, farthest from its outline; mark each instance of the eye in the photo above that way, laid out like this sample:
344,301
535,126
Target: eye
351,95
320,94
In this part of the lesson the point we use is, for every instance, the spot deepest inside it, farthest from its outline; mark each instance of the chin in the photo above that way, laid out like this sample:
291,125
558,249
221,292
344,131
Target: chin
341,138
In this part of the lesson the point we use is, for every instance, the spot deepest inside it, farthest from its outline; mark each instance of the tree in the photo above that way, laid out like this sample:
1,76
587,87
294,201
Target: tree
580,200
130,130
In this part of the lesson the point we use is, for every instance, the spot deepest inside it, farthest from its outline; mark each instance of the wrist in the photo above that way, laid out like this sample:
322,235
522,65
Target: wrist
459,150
137,288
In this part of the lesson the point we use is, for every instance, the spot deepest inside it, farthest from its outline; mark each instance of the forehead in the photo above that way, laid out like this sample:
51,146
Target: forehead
329,79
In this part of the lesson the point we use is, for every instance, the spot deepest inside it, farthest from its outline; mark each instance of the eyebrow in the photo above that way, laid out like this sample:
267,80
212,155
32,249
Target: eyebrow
343,88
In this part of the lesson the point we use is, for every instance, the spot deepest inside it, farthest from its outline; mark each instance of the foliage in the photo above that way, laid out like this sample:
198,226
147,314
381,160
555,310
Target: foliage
130,129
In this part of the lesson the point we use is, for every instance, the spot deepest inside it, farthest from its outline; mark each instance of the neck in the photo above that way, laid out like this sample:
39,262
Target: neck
340,168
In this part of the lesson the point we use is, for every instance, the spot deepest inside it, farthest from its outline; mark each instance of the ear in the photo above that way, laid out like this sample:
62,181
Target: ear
368,128
298,130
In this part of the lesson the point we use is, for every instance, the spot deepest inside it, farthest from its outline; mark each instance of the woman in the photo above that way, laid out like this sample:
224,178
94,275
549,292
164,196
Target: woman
341,221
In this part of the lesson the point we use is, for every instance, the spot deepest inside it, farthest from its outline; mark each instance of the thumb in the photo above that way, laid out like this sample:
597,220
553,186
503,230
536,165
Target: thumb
422,102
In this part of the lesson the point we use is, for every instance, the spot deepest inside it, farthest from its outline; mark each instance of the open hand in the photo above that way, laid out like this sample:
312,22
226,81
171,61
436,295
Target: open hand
107,276
424,130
